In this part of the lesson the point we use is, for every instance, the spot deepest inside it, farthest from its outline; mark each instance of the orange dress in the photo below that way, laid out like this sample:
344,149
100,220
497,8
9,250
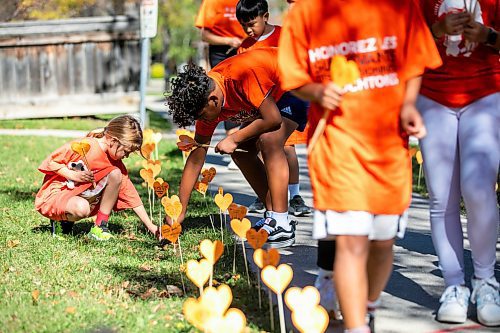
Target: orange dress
361,162
245,80
52,198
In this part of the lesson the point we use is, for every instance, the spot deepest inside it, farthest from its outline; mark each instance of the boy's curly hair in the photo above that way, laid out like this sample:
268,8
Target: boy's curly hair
189,94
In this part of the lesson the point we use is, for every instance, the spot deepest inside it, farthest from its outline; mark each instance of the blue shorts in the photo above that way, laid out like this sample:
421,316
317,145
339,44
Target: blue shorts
294,108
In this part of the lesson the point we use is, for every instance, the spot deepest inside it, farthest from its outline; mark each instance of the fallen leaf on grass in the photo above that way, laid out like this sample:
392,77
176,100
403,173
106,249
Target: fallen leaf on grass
131,237
13,243
158,307
35,294
145,268
110,312
72,294
70,310
148,293
174,290
125,284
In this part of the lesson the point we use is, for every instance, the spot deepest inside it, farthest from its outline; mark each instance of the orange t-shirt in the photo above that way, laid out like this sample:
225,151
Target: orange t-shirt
470,70
269,40
245,80
219,16
361,162
53,196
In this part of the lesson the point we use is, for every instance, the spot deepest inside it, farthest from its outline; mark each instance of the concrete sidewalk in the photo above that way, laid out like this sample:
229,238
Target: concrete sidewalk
413,292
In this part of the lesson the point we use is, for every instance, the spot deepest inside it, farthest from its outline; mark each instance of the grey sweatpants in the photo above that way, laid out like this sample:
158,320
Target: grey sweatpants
461,155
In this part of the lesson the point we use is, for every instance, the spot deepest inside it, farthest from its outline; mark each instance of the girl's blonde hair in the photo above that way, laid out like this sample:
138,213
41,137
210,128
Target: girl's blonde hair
125,129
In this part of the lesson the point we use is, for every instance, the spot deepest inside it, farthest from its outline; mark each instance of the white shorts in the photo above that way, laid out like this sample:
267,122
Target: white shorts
328,224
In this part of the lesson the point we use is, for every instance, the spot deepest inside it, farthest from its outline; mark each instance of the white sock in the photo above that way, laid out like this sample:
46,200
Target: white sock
281,220
361,329
293,189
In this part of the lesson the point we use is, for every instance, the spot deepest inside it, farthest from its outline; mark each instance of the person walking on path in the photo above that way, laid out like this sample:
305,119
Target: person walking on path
460,104
360,168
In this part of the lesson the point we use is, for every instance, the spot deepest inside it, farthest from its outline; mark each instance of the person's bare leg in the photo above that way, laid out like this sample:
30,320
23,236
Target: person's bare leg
272,147
293,164
77,208
379,267
110,192
253,170
351,280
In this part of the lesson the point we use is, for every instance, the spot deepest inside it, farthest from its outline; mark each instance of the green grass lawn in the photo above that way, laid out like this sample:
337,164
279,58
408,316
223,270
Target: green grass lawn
74,284
156,122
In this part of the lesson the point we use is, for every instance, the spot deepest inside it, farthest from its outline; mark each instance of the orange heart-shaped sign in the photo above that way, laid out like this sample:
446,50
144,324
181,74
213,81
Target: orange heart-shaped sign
412,151
147,149
233,321
186,143
156,138
183,131
155,166
343,72
236,211
263,258
196,313
418,156
165,201
277,279
161,188
185,146
218,299
240,227
201,187
173,209
147,135
81,148
198,271
256,239
311,320
207,175
171,232
300,299
223,202
211,250
147,175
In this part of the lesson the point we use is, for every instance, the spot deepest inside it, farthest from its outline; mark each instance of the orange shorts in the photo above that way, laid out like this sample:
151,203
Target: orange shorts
297,137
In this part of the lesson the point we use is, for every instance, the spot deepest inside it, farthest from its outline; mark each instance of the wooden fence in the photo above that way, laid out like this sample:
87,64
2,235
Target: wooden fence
44,61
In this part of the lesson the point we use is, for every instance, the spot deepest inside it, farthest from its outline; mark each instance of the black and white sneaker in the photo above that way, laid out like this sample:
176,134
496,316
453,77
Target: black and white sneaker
257,206
298,207
278,237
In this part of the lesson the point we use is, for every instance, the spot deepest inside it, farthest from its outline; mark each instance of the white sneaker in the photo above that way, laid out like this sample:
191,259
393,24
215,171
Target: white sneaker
328,296
454,304
485,294
232,166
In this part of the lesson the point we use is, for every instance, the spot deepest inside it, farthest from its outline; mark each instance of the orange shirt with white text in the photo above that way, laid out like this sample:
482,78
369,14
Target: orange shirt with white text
361,162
